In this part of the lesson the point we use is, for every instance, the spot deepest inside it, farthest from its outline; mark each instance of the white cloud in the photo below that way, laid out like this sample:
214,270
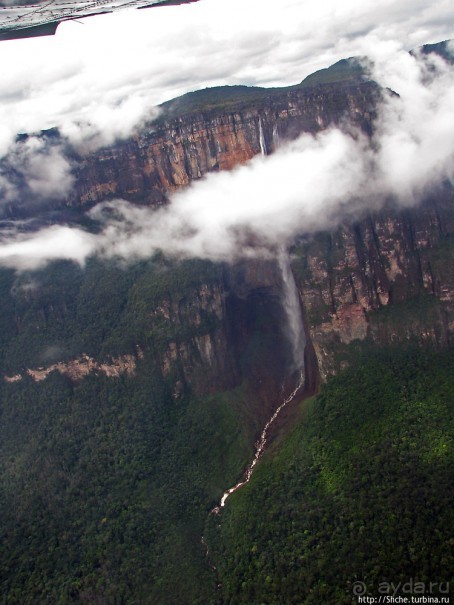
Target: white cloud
35,168
309,184
100,79
417,130
25,252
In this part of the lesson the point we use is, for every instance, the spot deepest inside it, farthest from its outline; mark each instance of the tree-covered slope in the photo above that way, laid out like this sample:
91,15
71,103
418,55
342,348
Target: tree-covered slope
106,481
359,491
106,486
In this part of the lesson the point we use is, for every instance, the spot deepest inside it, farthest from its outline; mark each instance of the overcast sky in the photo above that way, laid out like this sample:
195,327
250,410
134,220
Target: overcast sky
104,74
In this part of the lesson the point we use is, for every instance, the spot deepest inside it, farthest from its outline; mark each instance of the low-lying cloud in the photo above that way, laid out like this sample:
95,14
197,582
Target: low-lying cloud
35,168
52,243
98,79
312,183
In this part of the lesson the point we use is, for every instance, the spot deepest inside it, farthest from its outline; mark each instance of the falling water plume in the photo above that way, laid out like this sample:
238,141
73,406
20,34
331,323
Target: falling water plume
292,308
263,150
276,141
297,338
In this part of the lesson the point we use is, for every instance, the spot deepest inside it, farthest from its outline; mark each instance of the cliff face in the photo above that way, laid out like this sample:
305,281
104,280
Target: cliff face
131,397
386,278
348,280
198,328
172,152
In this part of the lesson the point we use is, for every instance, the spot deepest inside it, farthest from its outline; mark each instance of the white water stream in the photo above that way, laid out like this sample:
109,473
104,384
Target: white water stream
259,447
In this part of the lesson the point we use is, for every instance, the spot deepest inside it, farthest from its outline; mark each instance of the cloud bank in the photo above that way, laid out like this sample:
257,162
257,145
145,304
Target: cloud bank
99,79
312,183
39,167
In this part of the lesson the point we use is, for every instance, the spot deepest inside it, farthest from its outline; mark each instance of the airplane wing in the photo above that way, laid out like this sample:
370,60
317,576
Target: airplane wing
31,18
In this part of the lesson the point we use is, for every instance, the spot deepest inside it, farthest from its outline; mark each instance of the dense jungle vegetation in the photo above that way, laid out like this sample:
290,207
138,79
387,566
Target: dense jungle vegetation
106,484
360,490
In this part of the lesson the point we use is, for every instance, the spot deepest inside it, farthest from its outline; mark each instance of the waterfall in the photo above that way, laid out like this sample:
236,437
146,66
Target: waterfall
297,338
292,308
262,139
276,141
